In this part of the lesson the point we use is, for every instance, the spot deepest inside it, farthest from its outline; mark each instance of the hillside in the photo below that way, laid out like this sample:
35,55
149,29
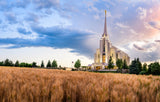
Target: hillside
48,85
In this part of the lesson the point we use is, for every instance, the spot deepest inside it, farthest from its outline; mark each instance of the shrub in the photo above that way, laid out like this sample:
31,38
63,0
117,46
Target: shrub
143,72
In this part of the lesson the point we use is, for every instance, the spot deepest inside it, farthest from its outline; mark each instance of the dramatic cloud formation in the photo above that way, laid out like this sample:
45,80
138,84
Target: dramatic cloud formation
133,25
55,37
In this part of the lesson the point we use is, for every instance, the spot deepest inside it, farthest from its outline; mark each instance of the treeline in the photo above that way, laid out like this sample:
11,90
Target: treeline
136,67
50,64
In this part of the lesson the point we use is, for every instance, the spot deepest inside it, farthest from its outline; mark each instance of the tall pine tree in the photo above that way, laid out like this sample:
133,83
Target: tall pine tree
42,64
49,64
17,64
125,66
54,64
135,67
119,63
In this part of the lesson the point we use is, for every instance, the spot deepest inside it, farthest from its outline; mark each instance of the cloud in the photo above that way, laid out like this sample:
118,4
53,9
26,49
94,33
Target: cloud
23,31
41,4
137,47
122,25
55,37
21,3
157,40
96,17
31,17
145,46
145,50
7,5
135,20
155,24
142,12
6,46
11,17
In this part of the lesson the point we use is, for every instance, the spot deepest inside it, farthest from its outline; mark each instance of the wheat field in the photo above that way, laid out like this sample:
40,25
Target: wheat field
48,85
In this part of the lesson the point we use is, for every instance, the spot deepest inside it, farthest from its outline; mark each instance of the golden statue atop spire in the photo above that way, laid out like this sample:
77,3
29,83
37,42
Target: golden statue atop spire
105,12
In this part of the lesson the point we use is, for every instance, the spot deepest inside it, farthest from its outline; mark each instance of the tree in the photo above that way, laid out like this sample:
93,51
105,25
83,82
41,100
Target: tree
2,63
119,63
136,66
144,67
133,67
155,68
77,64
149,68
22,64
49,64
7,62
30,65
17,64
125,66
42,64
54,64
110,63
139,65
34,64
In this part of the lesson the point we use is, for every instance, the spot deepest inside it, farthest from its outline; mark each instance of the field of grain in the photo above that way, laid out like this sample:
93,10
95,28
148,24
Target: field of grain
42,85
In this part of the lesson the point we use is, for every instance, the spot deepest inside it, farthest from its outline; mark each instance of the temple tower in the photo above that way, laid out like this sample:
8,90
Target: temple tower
105,43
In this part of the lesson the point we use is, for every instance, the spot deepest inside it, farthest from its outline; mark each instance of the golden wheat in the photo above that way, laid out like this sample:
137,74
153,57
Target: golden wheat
42,85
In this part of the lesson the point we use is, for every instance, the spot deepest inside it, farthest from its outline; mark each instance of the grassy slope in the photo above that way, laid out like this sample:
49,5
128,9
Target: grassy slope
42,85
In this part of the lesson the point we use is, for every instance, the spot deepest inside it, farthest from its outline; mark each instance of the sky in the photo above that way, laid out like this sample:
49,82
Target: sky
67,30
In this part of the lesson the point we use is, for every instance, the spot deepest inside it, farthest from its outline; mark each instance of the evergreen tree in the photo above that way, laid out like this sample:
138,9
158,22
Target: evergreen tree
144,67
136,66
54,64
119,63
110,63
125,66
42,64
17,64
49,64
133,67
139,65
77,64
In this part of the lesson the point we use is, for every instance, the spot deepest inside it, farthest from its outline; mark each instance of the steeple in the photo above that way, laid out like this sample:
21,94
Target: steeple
105,25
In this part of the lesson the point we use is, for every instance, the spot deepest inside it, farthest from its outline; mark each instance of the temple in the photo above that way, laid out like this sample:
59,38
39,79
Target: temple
106,50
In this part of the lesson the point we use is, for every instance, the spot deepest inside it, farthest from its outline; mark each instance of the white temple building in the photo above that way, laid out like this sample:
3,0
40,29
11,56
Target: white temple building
106,50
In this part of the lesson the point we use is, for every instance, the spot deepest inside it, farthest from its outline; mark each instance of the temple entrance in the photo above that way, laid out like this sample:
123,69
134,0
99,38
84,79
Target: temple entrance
106,67
98,67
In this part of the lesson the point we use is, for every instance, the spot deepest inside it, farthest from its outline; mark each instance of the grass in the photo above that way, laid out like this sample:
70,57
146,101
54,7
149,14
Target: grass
42,85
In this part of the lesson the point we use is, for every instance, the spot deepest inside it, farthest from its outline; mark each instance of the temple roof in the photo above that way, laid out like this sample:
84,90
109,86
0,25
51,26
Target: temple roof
105,25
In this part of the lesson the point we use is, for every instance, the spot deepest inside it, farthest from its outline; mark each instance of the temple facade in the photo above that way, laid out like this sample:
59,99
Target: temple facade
106,50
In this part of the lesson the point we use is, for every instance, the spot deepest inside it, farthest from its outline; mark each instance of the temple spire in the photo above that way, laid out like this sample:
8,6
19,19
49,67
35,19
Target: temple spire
105,25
